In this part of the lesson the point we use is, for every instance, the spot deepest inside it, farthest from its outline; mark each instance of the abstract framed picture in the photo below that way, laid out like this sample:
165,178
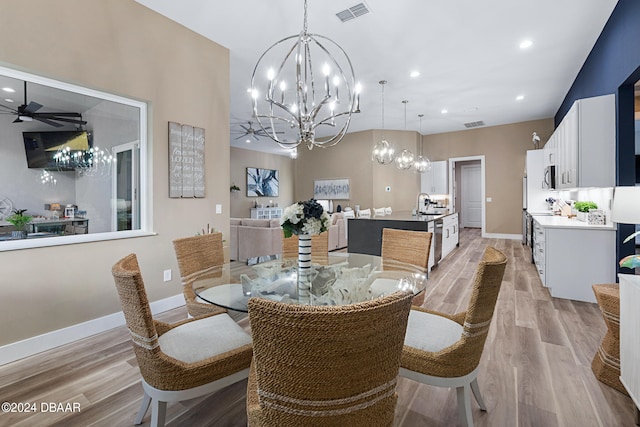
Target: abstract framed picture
262,182
331,189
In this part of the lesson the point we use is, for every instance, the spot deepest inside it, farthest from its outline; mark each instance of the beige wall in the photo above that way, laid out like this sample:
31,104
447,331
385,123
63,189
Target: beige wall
504,148
121,47
240,161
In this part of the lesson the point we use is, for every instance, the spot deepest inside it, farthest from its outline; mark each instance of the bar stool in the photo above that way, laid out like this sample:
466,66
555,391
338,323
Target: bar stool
606,362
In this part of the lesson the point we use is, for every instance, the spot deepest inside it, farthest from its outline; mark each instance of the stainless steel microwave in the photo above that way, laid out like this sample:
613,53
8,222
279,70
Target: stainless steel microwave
549,181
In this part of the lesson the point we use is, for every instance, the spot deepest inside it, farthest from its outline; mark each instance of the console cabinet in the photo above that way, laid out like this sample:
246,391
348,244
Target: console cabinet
450,234
266,213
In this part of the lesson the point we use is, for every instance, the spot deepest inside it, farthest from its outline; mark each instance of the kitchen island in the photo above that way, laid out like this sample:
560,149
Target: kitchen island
365,234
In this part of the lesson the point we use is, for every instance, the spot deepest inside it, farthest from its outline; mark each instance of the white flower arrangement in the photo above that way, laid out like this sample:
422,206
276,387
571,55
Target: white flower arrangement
304,218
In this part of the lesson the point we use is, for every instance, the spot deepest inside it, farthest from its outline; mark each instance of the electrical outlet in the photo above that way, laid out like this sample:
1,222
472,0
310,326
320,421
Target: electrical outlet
489,200
167,275
218,209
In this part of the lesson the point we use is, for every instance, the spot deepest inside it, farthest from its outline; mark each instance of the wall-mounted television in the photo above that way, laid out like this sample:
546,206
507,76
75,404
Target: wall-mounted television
41,147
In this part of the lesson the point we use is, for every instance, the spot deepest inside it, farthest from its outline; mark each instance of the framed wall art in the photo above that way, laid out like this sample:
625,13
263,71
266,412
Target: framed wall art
262,182
186,161
332,189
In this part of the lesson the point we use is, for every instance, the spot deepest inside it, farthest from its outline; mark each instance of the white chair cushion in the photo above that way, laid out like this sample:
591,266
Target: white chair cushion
200,339
388,210
379,211
430,332
349,214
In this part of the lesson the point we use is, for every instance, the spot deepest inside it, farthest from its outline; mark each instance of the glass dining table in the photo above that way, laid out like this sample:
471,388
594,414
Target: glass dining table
341,278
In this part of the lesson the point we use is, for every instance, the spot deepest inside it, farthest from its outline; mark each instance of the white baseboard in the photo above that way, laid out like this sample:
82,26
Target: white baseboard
502,236
30,346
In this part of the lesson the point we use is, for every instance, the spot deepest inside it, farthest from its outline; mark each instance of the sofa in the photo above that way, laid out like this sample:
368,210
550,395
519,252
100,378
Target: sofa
252,238
338,231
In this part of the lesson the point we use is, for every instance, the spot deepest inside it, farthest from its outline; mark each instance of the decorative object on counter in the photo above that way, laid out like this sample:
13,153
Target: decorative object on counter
583,209
186,161
383,152
311,84
234,188
6,207
19,221
626,210
550,202
262,182
596,217
304,219
536,140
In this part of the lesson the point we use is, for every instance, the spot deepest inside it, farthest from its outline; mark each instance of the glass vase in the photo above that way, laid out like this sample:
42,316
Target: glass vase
304,267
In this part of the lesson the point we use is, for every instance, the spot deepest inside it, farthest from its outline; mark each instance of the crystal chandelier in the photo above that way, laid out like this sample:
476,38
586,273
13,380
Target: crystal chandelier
308,83
383,152
404,161
422,163
91,162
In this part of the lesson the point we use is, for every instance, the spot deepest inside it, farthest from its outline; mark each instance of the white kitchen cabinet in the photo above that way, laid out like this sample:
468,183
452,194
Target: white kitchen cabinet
434,181
584,144
450,234
570,260
629,337
266,213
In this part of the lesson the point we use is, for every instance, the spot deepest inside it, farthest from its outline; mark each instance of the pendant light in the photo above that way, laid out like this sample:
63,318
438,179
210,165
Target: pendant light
383,152
422,163
404,161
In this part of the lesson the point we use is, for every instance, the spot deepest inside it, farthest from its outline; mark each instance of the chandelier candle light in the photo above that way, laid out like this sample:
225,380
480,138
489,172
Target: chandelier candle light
304,219
309,83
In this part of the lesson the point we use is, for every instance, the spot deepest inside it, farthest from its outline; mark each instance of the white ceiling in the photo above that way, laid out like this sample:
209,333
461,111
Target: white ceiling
466,51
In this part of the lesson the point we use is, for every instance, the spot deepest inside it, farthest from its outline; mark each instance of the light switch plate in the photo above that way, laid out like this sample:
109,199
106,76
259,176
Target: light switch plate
218,208
167,275
489,199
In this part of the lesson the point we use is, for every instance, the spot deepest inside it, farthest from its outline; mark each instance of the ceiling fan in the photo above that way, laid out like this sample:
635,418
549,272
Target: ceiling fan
251,131
28,112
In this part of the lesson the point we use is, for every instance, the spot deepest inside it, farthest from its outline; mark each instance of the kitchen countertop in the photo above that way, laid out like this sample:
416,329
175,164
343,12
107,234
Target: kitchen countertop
556,221
407,216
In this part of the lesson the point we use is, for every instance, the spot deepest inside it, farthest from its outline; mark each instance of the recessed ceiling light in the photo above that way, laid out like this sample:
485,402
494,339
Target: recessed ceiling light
415,73
248,141
519,97
445,111
8,89
524,44
8,100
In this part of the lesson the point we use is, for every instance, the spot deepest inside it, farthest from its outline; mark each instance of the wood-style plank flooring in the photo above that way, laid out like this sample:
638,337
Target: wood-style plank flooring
535,370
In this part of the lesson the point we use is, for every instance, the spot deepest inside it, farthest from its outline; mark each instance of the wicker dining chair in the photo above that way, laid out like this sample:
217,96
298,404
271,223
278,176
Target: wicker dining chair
444,350
319,247
325,365
183,360
406,246
198,255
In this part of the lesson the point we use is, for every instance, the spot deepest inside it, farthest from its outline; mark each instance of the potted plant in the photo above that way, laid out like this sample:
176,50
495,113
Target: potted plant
19,221
234,188
583,208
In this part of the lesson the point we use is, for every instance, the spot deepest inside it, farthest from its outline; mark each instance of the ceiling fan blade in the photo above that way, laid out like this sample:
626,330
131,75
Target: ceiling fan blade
50,115
246,129
255,137
32,107
13,110
241,136
60,119
47,121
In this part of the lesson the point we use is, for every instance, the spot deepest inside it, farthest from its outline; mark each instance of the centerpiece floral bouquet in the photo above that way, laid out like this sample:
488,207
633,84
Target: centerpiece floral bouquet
304,218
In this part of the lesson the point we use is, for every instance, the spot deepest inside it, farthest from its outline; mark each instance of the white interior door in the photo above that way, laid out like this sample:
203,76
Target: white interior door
471,193
126,204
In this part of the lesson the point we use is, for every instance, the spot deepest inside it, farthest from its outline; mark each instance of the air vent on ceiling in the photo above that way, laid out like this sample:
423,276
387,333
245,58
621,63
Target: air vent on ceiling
353,12
474,124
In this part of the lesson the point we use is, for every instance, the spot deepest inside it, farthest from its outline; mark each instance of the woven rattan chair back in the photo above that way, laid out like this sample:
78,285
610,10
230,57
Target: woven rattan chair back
464,356
325,366
198,255
406,247
319,247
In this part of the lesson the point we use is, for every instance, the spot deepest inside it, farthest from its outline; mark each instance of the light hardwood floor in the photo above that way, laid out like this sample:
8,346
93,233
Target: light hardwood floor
535,370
